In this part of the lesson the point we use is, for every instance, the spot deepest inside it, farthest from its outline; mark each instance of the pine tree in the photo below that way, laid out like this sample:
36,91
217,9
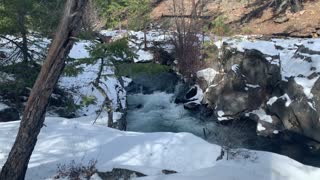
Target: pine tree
33,118
19,17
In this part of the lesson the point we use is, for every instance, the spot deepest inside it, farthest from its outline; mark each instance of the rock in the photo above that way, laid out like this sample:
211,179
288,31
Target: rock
316,95
248,79
165,171
191,106
119,173
257,70
191,93
163,57
307,118
206,77
281,19
304,50
298,117
181,91
3,55
313,75
8,114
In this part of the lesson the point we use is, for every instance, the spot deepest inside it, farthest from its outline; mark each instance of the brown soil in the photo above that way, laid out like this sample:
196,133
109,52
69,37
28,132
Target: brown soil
305,23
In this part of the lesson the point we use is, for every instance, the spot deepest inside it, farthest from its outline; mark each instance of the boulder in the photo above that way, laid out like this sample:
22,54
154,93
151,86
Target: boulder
298,116
8,113
248,80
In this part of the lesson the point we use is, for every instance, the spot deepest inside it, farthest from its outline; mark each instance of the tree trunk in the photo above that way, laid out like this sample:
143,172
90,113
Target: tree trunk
23,31
107,102
145,37
34,114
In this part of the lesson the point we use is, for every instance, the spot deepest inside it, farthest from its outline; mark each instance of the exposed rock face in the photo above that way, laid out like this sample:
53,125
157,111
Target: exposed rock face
246,82
269,88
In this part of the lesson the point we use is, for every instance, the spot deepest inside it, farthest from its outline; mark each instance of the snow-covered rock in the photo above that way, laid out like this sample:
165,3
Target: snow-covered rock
207,74
279,77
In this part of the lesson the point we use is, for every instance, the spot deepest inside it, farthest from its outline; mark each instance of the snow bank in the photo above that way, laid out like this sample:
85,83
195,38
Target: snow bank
3,106
64,140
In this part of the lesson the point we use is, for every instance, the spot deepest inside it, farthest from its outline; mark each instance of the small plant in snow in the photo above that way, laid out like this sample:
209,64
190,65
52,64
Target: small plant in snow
88,100
242,154
75,171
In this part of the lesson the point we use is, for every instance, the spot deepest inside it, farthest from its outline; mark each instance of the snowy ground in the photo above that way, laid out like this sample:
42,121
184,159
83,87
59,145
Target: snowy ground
64,140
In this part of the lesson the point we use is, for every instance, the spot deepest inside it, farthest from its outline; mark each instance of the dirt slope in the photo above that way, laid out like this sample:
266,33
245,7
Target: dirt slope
305,23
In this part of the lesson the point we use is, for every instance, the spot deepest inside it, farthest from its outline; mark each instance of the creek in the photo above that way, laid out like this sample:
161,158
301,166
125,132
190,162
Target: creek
157,111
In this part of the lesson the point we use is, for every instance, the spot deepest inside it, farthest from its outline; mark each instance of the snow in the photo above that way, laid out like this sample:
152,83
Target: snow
3,106
307,85
221,116
260,127
235,68
207,74
37,44
287,98
219,44
262,115
113,33
272,100
284,97
79,50
220,113
253,85
246,43
312,106
81,86
4,77
63,140
143,56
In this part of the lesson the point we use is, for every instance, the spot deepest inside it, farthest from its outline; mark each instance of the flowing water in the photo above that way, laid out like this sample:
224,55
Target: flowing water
157,112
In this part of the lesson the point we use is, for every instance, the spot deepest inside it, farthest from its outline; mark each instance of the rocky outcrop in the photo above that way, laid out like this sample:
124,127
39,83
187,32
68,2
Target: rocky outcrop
278,87
244,84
